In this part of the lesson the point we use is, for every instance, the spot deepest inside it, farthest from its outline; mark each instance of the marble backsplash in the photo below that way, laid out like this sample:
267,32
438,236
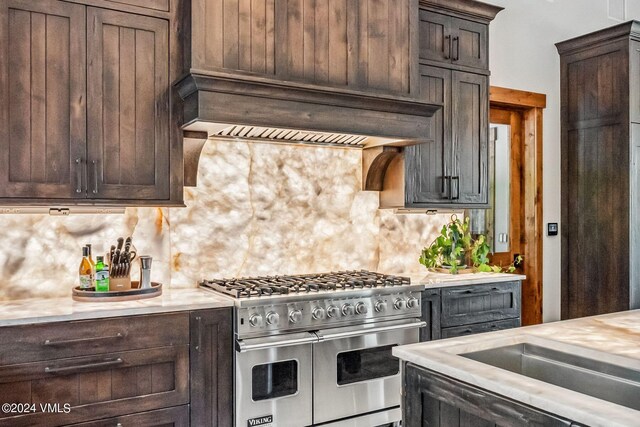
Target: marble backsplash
258,209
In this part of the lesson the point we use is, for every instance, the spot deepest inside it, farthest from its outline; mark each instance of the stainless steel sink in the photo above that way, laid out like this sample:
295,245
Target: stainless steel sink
613,383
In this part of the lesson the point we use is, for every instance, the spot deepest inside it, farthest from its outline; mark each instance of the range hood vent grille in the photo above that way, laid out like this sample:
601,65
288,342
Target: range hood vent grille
293,136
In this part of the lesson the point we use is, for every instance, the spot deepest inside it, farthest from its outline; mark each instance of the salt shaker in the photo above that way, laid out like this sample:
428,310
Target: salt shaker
145,272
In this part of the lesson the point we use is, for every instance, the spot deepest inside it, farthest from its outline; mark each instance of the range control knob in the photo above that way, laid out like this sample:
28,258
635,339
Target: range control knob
412,302
255,320
295,316
333,311
318,313
361,308
272,318
347,309
399,304
380,305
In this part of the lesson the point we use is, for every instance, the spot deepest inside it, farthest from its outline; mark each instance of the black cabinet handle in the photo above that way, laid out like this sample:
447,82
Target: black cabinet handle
76,368
457,180
79,175
199,322
95,176
83,340
456,41
447,45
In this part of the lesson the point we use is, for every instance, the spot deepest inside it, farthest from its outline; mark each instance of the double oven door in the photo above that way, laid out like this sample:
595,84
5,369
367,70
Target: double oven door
335,377
355,377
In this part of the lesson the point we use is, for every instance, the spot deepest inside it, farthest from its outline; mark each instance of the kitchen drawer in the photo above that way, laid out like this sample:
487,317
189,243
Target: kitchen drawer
171,417
31,343
97,387
162,5
477,328
465,305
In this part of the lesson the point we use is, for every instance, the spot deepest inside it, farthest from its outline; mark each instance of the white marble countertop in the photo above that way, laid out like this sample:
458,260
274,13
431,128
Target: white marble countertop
43,310
613,338
442,280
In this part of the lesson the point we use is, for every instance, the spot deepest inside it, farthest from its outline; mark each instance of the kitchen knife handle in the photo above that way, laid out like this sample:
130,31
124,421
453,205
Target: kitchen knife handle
79,175
95,176
447,45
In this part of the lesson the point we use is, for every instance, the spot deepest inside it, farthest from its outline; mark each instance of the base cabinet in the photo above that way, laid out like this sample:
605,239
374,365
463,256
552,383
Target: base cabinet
470,309
172,369
432,399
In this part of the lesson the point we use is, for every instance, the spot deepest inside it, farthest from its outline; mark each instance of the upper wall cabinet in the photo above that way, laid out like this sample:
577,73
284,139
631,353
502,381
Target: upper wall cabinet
451,40
42,99
366,45
85,105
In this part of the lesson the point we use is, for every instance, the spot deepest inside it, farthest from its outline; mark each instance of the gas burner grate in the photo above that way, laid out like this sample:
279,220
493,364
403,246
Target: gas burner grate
309,283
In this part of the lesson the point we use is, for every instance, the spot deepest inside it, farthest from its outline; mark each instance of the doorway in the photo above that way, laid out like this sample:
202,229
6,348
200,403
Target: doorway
514,222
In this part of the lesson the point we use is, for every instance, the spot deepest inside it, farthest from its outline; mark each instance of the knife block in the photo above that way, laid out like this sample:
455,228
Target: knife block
119,283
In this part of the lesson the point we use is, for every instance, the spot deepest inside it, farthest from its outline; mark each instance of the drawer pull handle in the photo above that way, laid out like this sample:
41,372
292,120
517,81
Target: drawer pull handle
84,340
93,366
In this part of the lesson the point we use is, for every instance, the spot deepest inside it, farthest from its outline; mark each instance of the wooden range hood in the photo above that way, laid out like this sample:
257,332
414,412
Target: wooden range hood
326,73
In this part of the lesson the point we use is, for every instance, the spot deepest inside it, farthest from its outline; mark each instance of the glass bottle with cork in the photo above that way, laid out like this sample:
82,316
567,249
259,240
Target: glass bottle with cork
86,271
102,275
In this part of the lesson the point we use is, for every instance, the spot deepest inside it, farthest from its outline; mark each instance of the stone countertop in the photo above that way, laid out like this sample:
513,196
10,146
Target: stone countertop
613,338
44,310
441,280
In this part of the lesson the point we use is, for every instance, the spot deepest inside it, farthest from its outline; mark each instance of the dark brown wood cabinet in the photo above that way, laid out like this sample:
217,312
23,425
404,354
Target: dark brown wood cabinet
470,309
171,369
452,170
600,95
451,40
85,104
433,399
211,368
128,106
357,44
42,99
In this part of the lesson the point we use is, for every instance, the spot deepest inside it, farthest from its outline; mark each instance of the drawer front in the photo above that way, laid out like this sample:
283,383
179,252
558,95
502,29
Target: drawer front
465,305
96,387
33,343
170,417
478,328
162,5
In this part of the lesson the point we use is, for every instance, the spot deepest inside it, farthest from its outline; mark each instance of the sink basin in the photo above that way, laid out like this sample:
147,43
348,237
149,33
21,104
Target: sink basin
603,380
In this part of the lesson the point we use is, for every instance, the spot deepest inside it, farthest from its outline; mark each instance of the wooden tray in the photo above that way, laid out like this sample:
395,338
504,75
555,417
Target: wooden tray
127,295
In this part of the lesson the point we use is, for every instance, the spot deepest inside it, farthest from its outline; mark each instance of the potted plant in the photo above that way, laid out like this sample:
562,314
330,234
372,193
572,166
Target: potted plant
455,251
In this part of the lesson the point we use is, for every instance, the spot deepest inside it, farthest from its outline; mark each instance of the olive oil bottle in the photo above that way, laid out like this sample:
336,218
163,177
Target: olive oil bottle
86,270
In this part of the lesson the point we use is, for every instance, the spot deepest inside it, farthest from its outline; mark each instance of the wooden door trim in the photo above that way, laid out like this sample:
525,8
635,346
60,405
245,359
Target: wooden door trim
530,104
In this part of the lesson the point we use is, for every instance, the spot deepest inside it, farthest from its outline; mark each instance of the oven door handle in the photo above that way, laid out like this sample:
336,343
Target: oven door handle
243,347
361,332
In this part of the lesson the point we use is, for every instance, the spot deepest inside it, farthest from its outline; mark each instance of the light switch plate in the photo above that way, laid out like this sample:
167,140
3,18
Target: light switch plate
552,229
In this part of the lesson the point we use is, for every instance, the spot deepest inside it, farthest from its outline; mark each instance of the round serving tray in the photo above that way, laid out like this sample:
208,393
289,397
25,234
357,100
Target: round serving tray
110,296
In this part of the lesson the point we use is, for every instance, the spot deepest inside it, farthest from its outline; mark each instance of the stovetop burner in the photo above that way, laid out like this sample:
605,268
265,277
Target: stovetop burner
282,285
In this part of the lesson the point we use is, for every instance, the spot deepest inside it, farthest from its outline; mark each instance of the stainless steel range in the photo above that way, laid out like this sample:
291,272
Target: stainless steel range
316,349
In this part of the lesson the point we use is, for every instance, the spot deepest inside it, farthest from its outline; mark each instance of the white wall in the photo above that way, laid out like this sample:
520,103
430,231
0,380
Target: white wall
523,56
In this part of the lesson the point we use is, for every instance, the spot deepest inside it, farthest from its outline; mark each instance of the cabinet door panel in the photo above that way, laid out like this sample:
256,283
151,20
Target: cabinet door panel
128,112
426,165
470,112
435,36
470,43
42,99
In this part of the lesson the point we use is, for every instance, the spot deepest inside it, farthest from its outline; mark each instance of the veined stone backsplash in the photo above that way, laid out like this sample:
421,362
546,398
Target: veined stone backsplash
258,209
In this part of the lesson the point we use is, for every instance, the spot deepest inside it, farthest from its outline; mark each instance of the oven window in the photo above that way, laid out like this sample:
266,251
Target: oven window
366,364
274,380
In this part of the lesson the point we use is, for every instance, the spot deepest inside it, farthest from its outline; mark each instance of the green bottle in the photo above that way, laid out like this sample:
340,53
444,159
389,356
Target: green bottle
102,275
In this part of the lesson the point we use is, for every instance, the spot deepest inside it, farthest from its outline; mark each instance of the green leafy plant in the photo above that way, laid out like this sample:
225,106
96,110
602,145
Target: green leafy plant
454,248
